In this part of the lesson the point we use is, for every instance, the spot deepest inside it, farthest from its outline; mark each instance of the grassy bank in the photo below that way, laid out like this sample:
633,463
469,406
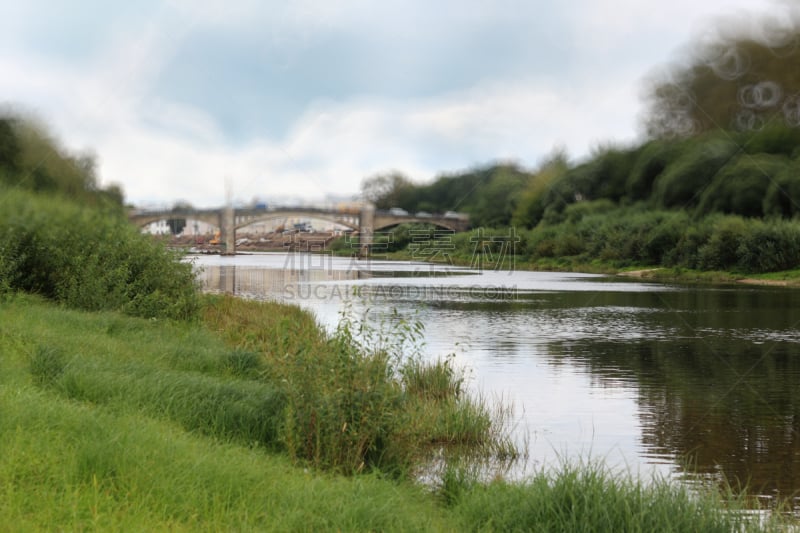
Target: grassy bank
114,422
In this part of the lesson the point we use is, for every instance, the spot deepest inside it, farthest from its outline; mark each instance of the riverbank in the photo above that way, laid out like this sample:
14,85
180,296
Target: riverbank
786,278
166,425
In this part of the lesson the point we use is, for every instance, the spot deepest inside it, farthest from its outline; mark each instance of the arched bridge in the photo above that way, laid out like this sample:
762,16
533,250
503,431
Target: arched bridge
366,221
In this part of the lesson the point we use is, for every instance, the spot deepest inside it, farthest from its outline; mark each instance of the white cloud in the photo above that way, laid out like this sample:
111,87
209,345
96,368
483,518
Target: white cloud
163,150
333,147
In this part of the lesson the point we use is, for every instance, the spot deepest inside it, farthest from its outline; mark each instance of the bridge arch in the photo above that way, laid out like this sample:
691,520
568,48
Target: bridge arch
342,220
142,220
433,222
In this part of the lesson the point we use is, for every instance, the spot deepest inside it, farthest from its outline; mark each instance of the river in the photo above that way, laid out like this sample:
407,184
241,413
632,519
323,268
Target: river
648,377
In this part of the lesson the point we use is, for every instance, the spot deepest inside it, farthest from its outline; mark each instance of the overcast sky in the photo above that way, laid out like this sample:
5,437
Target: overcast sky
307,98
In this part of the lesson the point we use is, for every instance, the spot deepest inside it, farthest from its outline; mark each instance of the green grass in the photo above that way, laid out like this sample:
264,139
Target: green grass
588,497
109,422
789,277
72,465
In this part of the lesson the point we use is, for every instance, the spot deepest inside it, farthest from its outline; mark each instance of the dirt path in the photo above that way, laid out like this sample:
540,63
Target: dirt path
771,282
647,273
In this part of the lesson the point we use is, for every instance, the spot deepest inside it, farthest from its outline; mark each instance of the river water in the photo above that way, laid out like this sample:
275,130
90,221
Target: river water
648,377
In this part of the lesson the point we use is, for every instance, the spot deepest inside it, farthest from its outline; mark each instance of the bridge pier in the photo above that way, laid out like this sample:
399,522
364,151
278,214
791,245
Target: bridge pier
366,229
228,230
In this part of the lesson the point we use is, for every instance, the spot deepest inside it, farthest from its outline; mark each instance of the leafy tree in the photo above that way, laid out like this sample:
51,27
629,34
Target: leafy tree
30,158
612,166
530,207
494,203
452,192
386,190
488,194
685,178
743,77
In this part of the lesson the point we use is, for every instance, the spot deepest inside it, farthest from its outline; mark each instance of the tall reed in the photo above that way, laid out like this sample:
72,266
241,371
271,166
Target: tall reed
361,398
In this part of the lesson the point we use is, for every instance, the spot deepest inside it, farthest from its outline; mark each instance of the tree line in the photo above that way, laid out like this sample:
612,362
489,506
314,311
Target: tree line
722,136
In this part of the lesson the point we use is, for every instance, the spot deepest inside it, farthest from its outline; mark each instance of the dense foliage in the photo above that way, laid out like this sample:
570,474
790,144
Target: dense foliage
64,237
740,75
32,159
635,236
488,194
89,258
752,174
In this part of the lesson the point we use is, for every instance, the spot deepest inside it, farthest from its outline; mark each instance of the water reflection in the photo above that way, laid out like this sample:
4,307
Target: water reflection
643,375
726,406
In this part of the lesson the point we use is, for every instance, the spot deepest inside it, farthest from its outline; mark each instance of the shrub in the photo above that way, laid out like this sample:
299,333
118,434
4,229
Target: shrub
686,252
652,160
782,197
740,187
775,138
90,259
685,178
577,211
663,237
720,252
770,246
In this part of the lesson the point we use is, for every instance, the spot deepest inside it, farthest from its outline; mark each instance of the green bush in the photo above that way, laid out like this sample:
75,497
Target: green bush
542,241
90,259
661,236
770,246
720,251
686,252
576,212
652,160
775,138
782,197
687,176
741,186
